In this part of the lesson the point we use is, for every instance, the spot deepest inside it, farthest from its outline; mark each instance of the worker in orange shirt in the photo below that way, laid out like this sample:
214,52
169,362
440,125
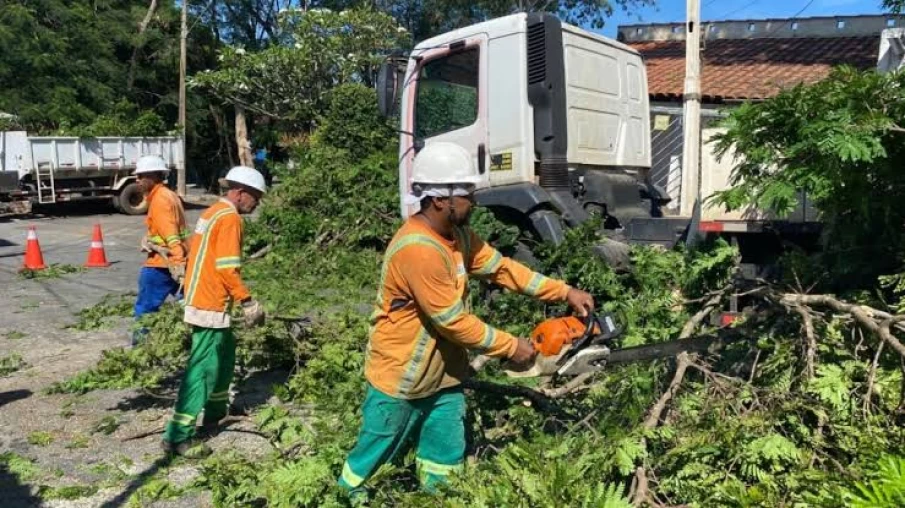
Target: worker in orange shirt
417,356
213,284
162,273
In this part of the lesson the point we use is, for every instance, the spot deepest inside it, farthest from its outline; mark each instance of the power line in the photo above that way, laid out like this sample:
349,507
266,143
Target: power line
740,9
779,26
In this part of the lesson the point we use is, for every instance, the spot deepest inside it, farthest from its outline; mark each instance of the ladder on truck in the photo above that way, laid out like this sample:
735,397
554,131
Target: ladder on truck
47,191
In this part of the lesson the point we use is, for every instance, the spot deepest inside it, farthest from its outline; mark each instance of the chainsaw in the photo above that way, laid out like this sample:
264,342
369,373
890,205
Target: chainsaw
568,346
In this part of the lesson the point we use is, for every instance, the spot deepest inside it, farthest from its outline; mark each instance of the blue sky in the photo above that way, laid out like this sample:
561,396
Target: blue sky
715,10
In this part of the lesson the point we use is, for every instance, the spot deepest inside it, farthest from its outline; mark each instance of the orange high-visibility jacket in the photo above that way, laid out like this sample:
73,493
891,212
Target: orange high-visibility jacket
166,226
212,280
421,329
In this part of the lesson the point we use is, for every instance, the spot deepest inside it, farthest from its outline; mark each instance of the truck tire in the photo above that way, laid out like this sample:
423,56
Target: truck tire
614,253
131,200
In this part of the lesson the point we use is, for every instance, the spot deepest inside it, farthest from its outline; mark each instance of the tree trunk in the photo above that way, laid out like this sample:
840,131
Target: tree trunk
139,42
243,145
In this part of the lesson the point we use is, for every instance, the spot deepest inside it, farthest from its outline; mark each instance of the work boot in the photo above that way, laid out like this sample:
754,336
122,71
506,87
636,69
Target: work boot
191,449
210,429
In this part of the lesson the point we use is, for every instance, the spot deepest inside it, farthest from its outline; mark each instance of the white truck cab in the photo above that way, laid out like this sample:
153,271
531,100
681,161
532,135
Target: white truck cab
557,118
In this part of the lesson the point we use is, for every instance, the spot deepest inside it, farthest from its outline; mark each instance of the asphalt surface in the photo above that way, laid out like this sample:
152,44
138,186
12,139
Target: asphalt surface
36,313
65,234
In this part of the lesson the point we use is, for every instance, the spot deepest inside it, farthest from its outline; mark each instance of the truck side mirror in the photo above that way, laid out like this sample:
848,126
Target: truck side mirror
387,88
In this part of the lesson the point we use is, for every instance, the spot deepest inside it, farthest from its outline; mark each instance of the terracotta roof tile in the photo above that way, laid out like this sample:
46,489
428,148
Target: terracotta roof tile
752,68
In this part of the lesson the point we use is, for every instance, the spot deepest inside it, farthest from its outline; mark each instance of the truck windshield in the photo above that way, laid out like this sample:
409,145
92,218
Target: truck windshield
447,94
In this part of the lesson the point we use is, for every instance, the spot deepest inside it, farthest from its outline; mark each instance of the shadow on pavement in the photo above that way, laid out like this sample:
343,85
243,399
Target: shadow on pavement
141,479
13,395
14,493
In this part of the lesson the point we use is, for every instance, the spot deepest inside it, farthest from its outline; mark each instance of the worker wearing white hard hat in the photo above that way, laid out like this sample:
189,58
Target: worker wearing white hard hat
165,241
417,356
213,283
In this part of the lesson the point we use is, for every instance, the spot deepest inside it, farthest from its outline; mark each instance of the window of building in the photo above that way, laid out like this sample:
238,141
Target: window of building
794,26
752,27
840,24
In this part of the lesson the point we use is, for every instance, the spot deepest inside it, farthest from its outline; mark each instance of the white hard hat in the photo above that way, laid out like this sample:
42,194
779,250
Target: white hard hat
151,164
248,177
443,162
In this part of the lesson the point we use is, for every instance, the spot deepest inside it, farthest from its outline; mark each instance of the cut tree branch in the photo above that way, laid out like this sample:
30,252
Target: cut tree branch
872,378
683,361
539,400
811,341
868,317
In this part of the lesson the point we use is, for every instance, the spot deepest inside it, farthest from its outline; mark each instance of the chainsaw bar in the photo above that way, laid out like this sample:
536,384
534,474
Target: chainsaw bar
596,358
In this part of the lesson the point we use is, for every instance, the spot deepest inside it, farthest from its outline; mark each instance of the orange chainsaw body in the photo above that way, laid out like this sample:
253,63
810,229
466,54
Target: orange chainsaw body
552,335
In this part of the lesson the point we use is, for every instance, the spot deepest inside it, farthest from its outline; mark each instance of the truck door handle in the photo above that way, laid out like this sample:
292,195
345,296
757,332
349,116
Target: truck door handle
482,158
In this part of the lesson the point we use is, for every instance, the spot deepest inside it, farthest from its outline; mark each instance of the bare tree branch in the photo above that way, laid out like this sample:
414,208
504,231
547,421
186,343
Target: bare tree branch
811,341
872,378
139,42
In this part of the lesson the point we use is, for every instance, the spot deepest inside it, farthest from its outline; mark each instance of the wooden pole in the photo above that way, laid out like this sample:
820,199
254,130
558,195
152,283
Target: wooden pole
691,155
180,170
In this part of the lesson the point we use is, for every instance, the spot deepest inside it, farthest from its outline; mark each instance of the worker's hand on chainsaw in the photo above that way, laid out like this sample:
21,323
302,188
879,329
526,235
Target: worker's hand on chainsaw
524,353
580,301
254,313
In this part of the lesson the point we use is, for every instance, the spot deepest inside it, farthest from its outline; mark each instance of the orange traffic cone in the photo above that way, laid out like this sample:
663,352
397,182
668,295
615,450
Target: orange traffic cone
96,256
34,260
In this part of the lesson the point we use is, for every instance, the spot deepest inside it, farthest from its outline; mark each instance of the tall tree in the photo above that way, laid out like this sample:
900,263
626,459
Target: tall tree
425,18
289,82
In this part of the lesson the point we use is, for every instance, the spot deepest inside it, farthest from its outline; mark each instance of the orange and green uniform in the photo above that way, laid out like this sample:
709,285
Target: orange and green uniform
166,228
212,284
418,350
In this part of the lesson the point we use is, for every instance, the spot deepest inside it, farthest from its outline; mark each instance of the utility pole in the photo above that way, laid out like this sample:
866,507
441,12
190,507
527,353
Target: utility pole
180,169
691,155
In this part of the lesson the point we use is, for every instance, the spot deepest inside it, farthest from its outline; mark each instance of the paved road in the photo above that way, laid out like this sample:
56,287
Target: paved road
65,238
35,315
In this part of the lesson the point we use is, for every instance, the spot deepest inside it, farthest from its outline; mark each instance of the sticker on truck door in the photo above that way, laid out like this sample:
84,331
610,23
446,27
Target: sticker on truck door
501,161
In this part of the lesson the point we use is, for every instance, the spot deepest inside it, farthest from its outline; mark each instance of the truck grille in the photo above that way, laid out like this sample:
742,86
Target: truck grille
537,57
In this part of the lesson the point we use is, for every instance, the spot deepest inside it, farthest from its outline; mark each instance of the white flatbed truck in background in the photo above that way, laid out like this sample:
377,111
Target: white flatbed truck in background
44,170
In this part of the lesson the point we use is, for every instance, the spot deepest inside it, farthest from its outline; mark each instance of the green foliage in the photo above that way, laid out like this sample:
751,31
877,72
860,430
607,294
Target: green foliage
352,123
544,473
145,365
11,363
886,488
156,489
53,271
104,313
23,468
316,50
14,335
336,196
68,492
40,438
123,120
839,141
107,425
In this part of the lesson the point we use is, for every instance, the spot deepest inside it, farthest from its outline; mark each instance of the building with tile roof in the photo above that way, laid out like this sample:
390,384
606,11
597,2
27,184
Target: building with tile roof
755,59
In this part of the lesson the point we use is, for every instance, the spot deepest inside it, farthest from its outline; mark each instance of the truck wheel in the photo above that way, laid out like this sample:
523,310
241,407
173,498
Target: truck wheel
131,200
614,253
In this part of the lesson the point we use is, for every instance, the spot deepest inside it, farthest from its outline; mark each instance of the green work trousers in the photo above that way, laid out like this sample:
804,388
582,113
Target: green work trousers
436,423
205,384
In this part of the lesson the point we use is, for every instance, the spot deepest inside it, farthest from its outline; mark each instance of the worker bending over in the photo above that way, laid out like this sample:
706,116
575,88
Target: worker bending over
417,355
212,284
162,273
